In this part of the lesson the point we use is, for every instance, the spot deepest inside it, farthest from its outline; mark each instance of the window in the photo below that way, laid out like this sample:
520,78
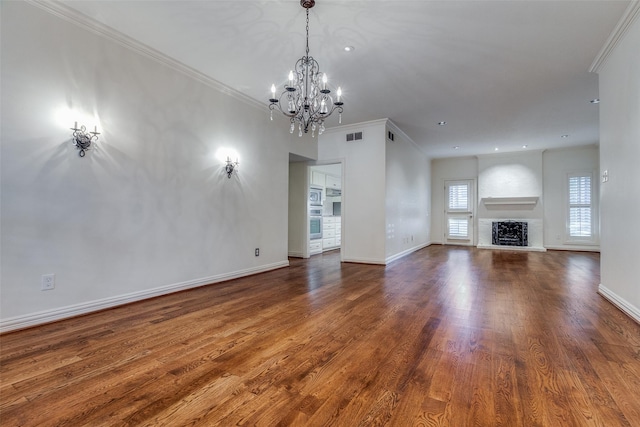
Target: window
459,197
580,224
458,228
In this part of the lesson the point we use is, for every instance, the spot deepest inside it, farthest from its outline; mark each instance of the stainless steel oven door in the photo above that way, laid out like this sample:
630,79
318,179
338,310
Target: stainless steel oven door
315,227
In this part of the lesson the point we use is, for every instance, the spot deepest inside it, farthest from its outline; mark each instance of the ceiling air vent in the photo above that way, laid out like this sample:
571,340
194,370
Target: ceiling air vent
354,136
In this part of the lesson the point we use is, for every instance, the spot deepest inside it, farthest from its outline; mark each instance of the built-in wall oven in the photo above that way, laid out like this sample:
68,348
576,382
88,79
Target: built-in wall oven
315,196
315,227
315,213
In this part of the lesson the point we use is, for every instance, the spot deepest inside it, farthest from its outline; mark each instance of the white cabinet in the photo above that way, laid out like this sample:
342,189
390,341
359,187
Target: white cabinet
318,179
333,182
331,232
315,247
331,236
329,243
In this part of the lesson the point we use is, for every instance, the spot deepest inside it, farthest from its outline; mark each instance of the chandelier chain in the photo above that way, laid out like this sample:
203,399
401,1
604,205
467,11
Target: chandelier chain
307,33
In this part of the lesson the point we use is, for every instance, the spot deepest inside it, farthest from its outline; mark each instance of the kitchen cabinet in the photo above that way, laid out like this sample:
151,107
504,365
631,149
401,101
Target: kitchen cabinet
331,232
315,247
333,182
318,179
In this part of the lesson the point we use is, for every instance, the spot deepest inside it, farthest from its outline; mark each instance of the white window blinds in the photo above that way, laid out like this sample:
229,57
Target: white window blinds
579,220
459,197
458,228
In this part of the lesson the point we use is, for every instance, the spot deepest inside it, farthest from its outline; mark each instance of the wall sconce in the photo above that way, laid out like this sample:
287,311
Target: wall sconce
83,139
231,167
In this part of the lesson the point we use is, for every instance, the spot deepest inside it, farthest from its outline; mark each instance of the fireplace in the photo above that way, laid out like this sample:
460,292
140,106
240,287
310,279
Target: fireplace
509,233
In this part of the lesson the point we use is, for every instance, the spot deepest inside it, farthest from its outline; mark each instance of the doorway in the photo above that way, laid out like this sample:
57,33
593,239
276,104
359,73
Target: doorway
459,212
327,178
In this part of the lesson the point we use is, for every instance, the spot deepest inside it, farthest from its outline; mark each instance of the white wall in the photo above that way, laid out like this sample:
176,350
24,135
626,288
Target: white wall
149,211
531,174
506,176
442,170
620,156
408,194
363,200
557,165
298,210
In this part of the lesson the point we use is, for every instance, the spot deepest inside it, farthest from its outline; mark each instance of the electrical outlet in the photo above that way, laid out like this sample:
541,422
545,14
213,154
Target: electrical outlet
257,251
48,282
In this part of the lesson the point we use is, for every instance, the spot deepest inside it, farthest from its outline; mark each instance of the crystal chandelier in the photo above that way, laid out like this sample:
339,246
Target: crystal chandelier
306,98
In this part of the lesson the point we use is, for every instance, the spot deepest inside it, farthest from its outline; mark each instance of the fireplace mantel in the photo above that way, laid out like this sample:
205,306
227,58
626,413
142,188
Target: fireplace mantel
506,202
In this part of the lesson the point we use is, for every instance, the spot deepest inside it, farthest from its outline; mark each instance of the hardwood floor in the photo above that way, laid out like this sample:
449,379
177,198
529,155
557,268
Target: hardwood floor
448,336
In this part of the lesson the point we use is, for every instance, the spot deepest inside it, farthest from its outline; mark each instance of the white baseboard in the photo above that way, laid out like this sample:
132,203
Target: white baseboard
619,302
405,253
296,254
33,319
513,248
364,261
573,248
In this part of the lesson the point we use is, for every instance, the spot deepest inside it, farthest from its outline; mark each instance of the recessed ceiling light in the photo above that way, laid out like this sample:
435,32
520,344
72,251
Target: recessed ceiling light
595,101
456,147
525,146
496,149
442,123
564,136
349,48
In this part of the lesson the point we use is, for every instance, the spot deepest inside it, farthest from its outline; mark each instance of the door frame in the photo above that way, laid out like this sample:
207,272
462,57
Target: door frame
472,212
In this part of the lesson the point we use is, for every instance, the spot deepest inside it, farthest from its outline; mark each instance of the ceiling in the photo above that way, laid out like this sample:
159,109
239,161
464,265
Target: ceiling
502,74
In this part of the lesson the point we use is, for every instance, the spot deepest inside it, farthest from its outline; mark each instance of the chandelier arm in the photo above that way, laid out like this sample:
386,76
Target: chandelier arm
278,104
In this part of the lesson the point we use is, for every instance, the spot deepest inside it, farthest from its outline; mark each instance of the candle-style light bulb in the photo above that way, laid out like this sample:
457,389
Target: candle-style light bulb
273,91
339,93
291,78
324,81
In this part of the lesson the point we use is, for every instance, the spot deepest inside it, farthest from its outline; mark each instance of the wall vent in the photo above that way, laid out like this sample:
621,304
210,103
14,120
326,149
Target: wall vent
356,136
391,136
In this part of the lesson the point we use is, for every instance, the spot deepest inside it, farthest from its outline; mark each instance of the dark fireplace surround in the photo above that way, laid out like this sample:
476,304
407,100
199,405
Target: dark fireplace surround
509,233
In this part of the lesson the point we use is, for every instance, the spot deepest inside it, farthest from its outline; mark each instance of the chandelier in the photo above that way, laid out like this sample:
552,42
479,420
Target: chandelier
306,98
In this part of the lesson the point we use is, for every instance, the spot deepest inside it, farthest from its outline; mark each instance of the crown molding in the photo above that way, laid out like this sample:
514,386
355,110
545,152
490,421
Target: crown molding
399,131
83,21
630,15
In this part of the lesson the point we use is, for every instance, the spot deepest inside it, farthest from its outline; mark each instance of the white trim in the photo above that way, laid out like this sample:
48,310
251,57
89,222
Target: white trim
513,248
405,253
630,14
582,248
365,261
399,131
296,254
619,302
355,126
83,21
502,201
33,319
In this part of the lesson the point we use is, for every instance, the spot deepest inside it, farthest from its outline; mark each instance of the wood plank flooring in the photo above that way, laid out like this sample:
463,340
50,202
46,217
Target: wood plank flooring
447,336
